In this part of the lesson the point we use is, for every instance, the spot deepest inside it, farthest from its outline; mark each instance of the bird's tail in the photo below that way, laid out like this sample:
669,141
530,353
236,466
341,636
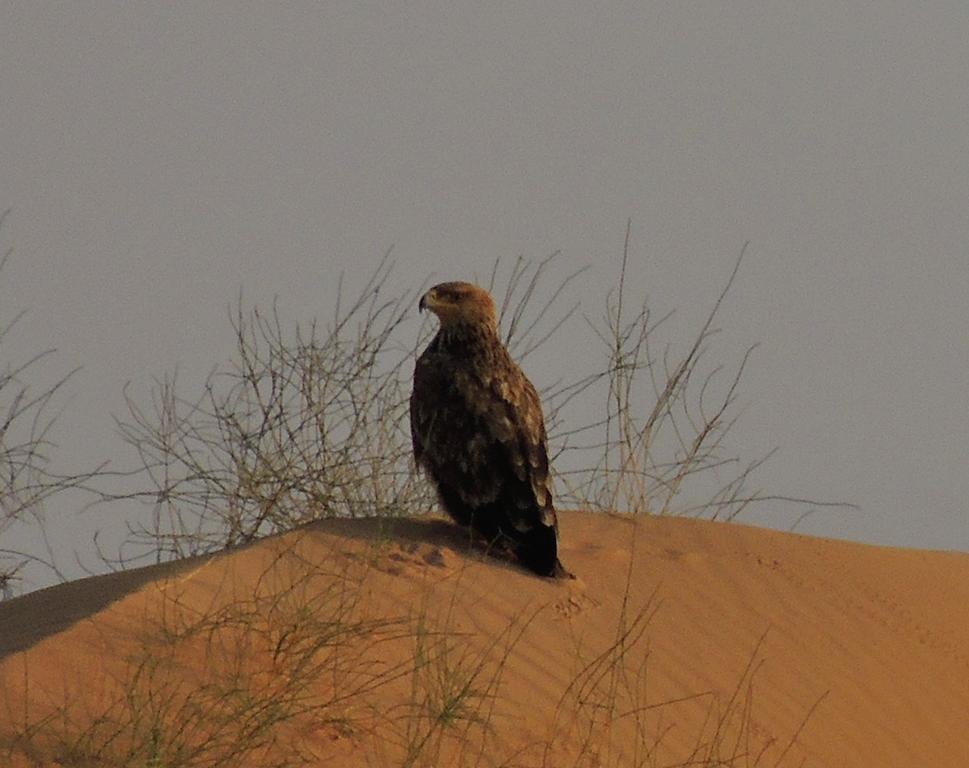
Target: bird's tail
538,551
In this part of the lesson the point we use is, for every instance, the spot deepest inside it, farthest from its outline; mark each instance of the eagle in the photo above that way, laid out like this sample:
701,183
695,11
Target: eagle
478,430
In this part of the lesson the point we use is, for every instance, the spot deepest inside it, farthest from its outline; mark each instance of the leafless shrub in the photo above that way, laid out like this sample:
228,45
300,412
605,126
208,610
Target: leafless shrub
665,419
28,412
303,424
313,422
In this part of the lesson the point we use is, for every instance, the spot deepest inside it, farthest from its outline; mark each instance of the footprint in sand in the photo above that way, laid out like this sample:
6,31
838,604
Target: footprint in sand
415,558
576,602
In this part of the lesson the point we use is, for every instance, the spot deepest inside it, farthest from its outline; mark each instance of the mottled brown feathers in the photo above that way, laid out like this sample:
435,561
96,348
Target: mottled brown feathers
478,430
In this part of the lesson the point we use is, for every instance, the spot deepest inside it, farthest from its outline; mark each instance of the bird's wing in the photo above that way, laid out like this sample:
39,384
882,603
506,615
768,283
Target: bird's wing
421,407
482,434
518,426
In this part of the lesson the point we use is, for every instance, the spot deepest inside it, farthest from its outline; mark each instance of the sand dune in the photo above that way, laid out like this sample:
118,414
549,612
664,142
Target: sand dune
393,642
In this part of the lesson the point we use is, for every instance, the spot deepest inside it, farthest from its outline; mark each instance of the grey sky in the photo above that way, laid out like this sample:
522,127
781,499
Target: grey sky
159,156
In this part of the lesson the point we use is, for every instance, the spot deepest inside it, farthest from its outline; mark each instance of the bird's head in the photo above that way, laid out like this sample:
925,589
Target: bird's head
460,303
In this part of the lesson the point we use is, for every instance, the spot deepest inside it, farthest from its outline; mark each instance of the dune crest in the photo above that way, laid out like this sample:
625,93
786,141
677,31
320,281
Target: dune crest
393,642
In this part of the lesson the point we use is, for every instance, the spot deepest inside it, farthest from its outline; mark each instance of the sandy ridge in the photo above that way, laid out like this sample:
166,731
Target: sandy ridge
872,643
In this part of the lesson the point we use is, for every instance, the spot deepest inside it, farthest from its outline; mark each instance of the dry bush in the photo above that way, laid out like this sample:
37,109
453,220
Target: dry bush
313,422
660,445
303,424
27,416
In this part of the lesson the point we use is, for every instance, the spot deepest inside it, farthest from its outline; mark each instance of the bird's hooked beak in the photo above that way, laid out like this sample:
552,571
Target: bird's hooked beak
426,300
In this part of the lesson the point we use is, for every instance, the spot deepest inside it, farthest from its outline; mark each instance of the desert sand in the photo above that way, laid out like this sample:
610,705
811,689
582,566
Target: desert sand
397,642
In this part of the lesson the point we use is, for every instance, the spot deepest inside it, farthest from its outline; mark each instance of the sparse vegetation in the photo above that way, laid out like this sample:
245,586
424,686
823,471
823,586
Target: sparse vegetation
290,667
455,687
312,422
233,684
614,721
300,426
28,410
307,423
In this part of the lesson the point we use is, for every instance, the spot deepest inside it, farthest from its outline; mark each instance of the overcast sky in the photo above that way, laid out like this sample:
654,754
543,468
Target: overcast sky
159,157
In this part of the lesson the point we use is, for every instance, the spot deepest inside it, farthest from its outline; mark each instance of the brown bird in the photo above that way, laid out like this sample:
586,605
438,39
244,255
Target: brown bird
478,431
